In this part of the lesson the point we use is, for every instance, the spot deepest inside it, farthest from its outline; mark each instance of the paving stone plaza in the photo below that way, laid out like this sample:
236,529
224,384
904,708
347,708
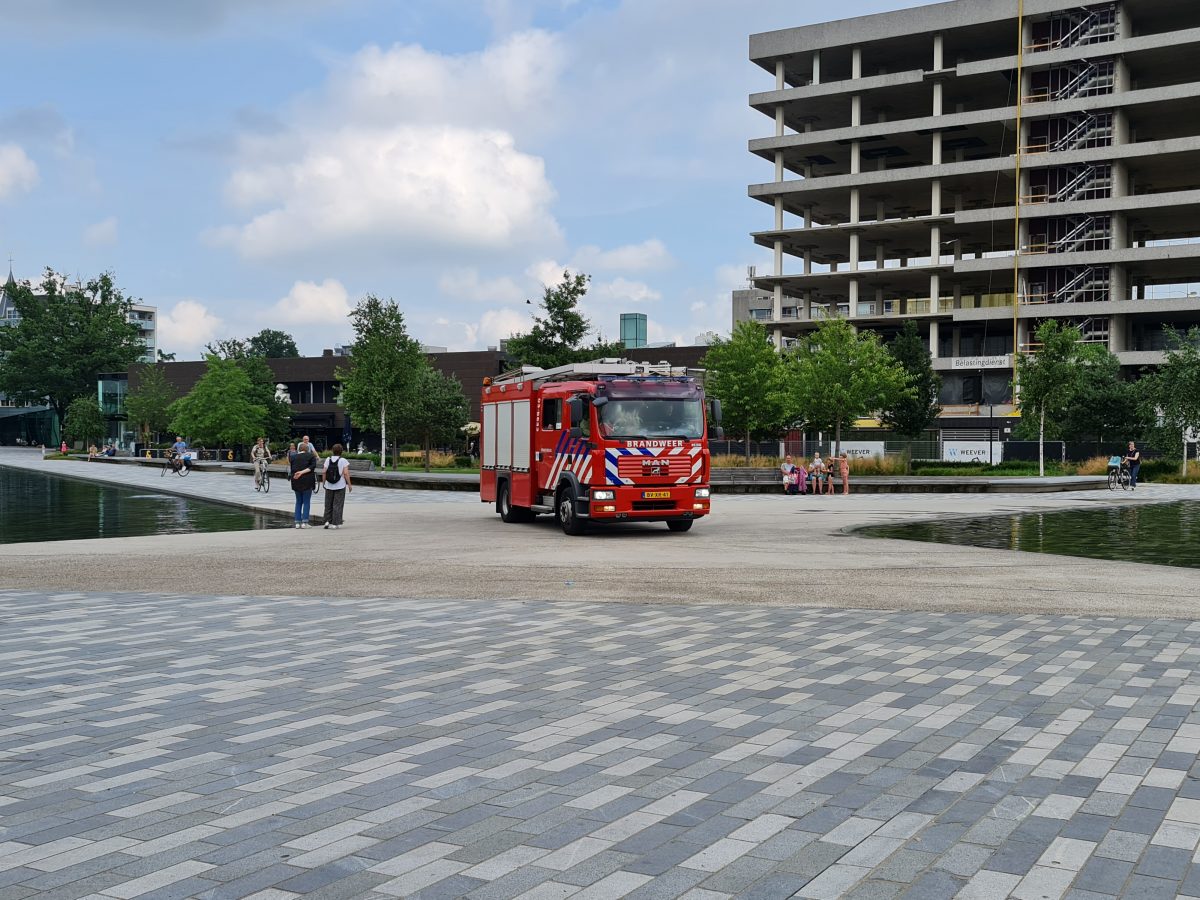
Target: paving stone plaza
198,746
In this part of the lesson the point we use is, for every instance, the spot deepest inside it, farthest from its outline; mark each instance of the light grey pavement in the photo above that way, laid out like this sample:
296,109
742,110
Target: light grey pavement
753,549
185,745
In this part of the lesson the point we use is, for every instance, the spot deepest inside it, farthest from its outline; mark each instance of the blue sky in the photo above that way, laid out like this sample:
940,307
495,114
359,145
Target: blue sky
244,164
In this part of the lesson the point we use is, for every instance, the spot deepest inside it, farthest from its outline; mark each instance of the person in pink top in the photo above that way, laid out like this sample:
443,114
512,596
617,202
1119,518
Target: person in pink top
844,472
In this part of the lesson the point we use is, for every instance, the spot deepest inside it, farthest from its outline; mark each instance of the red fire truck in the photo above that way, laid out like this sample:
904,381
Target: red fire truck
603,441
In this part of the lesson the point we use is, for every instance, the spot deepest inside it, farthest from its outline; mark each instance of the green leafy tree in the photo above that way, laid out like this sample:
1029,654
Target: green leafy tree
66,336
276,424
148,407
557,337
746,374
85,421
220,409
384,366
165,357
228,348
435,410
1101,406
838,375
1174,389
270,343
911,413
1047,379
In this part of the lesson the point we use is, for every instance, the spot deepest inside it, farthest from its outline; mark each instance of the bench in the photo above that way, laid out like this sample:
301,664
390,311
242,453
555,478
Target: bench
361,465
747,475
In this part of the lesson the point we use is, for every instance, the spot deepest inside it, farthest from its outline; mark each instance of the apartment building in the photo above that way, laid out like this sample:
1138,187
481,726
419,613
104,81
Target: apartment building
980,170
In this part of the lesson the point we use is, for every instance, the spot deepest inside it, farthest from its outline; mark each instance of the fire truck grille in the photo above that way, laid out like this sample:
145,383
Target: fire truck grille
668,467
652,505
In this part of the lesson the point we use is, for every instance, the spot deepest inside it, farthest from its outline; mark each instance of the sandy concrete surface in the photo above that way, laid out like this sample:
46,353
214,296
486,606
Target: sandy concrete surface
755,549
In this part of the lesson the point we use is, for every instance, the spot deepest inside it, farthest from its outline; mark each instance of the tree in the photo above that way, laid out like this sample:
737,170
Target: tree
273,344
220,409
277,422
384,366
165,357
1175,388
1101,407
84,420
746,375
838,375
912,413
435,410
148,406
65,337
556,339
1046,380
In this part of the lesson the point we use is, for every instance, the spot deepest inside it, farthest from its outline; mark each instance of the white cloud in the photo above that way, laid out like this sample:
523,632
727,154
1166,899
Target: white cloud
405,152
309,303
102,233
18,173
494,326
622,290
465,284
188,326
650,254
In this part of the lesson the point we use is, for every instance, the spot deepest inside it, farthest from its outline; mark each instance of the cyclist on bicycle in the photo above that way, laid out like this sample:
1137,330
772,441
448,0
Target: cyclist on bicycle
181,454
260,455
1133,459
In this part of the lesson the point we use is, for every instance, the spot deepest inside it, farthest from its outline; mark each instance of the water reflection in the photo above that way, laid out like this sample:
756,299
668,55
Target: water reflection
37,507
1166,534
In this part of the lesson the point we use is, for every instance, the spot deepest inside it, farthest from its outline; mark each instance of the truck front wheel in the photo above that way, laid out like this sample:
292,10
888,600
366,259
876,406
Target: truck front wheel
568,518
681,524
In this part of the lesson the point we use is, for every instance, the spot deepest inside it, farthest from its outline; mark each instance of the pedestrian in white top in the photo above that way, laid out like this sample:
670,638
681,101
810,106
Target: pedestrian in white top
337,485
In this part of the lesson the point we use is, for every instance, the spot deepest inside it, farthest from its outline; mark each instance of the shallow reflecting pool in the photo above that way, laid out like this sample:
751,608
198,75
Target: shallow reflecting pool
1167,534
36,507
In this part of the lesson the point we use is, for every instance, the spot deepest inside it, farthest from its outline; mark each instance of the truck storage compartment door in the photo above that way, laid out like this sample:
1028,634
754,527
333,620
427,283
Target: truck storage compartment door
504,455
488,441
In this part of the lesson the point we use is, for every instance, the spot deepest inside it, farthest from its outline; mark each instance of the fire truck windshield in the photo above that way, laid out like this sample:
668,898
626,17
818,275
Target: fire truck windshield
652,418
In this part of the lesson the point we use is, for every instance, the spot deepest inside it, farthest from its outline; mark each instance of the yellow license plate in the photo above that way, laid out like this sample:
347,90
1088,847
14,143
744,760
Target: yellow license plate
656,495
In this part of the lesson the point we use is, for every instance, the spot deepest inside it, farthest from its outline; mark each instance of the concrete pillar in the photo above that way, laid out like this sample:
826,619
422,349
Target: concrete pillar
854,258
856,110
934,326
1120,179
808,217
879,260
777,303
853,297
1022,334
1120,232
856,62
779,214
1124,22
778,258
780,81
777,338
935,197
779,126
958,296
935,146
855,202
778,166
1118,334
855,158
955,341
879,211
1121,82
1121,133
935,291
935,245
816,68
1118,283
939,52
807,262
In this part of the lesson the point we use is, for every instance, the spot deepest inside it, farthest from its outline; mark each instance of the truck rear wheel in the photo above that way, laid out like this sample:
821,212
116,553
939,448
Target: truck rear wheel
681,524
508,512
565,510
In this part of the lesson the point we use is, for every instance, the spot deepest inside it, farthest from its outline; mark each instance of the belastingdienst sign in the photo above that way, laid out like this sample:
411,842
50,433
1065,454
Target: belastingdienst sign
981,362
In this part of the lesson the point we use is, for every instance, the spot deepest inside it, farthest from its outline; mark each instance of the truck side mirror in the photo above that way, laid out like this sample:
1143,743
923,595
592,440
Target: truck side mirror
719,433
714,406
577,410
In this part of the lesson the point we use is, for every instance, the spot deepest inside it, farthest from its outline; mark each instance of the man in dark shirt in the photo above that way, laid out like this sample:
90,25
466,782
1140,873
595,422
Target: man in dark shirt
1134,460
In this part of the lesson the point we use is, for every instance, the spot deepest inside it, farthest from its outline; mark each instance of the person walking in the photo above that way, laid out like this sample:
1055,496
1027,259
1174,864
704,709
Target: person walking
337,485
260,455
303,468
1134,459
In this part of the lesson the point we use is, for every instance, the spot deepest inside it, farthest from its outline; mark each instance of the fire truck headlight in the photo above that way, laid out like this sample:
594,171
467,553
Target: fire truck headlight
701,493
604,495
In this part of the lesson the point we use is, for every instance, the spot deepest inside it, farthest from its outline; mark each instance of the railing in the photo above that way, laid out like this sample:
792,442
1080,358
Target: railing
1089,131
1088,81
1092,27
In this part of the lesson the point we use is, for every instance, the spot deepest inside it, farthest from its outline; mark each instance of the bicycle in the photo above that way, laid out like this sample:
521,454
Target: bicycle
262,476
176,464
1118,474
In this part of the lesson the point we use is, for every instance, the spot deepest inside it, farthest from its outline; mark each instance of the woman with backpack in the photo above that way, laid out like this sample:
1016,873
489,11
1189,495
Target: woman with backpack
336,476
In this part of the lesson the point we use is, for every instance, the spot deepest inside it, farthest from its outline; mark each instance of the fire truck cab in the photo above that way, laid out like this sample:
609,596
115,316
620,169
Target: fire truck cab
603,441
